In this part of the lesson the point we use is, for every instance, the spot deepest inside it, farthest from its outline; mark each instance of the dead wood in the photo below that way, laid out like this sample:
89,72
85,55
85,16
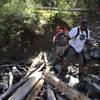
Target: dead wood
26,87
59,97
6,65
10,79
40,68
50,93
35,62
47,63
69,92
35,91
13,88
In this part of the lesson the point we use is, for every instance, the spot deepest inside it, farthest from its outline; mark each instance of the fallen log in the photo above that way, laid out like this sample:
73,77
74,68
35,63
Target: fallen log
10,79
35,91
5,82
69,92
6,65
40,68
36,61
26,87
50,93
1,88
18,64
59,97
47,63
13,88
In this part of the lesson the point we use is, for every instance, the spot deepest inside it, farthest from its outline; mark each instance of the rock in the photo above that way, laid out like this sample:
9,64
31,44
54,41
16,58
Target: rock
97,27
94,78
72,70
95,53
57,68
4,49
94,91
72,80
81,86
16,71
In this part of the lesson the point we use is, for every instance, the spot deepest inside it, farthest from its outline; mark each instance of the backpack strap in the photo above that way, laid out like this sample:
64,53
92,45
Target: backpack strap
77,32
87,34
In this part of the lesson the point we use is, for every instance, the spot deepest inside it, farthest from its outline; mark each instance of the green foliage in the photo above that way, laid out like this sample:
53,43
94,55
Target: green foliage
19,17
3,2
58,20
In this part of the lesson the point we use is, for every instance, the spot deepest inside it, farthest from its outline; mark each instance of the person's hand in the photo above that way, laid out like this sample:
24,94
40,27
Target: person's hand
67,37
95,45
88,43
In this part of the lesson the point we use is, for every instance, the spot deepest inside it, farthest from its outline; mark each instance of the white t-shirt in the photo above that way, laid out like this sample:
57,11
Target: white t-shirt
77,42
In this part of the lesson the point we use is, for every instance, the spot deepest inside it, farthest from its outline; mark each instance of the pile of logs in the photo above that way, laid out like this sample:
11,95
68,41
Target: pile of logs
37,82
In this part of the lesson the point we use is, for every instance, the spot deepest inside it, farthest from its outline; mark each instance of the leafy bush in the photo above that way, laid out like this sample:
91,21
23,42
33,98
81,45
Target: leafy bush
57,20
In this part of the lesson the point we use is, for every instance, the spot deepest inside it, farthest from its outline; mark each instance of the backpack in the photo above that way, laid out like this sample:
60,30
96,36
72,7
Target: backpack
78,31
61,39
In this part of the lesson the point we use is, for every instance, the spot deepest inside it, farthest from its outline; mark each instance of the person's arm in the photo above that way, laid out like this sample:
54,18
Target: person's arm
55,37
72,33
67,36
89,40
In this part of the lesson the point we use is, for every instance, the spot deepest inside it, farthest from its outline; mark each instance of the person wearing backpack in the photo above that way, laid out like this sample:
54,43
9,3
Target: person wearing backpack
60,41
57,29
74,55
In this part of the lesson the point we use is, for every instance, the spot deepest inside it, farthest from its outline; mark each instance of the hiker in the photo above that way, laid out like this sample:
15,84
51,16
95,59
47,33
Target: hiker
57,29
60,39
74,54
60,42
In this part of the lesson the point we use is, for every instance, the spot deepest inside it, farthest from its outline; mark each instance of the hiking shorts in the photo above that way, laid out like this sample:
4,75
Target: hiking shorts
73,58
